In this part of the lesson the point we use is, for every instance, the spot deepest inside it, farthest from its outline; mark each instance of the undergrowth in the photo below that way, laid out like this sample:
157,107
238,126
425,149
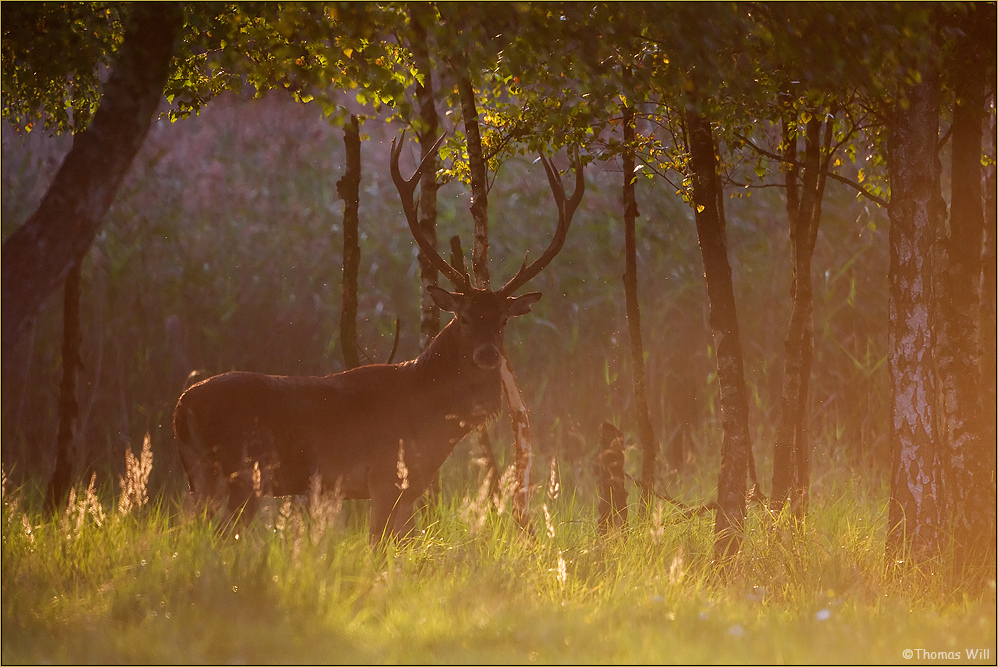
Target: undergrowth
106,582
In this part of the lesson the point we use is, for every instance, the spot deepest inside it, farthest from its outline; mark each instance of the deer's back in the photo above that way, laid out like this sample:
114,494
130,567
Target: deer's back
295,425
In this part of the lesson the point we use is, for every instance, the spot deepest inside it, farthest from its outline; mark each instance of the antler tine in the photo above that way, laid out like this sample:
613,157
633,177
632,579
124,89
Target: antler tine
406,189
566,209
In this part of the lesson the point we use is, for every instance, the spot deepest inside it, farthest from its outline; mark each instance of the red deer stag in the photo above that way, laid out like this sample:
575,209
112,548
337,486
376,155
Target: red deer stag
379,431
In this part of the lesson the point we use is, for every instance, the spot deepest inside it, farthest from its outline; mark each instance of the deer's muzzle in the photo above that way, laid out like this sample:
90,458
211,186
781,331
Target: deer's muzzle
487,356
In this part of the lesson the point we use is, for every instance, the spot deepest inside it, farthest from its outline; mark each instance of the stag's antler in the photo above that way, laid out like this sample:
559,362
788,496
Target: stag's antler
566,209
407,189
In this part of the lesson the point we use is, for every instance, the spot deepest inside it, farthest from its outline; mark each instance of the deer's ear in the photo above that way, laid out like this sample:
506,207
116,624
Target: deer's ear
520,305
447,301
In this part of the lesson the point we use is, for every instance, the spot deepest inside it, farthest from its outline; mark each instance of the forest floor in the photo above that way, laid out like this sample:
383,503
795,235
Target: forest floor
96,584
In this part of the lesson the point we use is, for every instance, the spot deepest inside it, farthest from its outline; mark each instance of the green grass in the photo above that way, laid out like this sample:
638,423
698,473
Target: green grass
151,587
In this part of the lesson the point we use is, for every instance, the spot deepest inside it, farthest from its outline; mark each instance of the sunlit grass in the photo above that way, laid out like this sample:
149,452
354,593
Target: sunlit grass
151,586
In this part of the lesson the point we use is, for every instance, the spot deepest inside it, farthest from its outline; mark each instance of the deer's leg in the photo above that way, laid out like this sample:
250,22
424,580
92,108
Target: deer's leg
208,490
392,517
198,483
405,517
201,475
242,497
382,506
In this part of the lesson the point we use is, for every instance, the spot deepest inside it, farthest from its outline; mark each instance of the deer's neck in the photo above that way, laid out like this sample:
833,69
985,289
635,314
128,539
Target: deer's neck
449,375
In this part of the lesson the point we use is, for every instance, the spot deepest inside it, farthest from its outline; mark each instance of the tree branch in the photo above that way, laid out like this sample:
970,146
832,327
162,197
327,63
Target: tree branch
824,172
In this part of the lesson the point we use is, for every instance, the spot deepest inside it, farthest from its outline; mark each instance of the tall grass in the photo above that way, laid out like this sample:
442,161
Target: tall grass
104,582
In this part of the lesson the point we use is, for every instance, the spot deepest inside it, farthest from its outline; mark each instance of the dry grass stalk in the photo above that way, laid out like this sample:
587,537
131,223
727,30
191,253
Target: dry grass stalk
282,516
677,569
324,507
11,503
297,536
473,512
547,521
26,525
554,488
657,523
291,525
508,485
88,504
562,571
403,471
134,484
257,480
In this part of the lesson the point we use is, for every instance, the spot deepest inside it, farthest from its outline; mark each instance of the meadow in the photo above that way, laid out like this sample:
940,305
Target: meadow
107,581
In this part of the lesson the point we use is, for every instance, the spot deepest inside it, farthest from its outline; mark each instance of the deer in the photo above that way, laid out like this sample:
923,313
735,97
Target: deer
379,431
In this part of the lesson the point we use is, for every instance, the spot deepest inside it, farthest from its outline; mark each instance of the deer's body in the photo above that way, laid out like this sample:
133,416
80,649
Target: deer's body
379,431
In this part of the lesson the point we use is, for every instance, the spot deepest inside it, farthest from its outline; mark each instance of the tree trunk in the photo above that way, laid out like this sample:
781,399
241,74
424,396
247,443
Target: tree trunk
611,491
645,432
479,184
38,256
735,450
429,323
988,302
791,453
964,473
348,188
66,457
522,443
915,512
486,457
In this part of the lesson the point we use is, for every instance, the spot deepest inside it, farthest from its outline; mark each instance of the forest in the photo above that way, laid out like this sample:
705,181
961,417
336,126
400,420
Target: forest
751,419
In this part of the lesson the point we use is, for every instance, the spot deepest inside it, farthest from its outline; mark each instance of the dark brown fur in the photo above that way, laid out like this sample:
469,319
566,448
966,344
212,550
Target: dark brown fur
379,431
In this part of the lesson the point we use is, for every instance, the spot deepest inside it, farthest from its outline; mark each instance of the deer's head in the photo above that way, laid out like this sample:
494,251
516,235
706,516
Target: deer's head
481,317
481,313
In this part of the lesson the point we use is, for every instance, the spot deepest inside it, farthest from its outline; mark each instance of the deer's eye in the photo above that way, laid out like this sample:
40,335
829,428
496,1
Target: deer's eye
463,319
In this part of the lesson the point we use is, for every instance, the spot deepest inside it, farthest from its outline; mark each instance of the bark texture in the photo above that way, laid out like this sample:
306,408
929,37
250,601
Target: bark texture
645,432
522,441
485,455
67,456
736,446
989,331
479,184
522,445
38,256
348,188
610,478
965,475
791,453
915,514
429,321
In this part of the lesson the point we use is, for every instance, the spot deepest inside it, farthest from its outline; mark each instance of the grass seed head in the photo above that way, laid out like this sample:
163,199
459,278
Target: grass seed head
554,488
507,487
677,568
657,524
79,507
257,480
135,482
403,471
562,571
324,507
473,511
